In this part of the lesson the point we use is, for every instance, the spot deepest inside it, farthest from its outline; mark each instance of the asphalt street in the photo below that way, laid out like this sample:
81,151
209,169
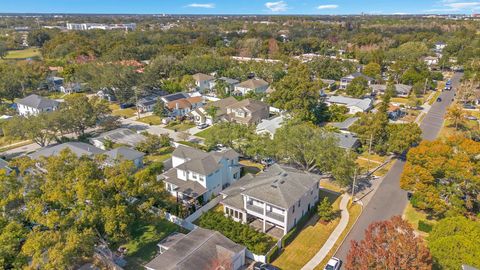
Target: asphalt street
389,199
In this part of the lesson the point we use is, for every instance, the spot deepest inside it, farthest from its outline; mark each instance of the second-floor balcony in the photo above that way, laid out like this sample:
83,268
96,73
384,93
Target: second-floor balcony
259,211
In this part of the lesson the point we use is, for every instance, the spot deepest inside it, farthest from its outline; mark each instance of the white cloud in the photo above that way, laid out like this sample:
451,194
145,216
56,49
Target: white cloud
327,7
454,6
277,6
196,5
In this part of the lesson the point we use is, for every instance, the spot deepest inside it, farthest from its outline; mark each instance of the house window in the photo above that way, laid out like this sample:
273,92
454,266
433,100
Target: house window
194,175
311,192
298,203
202,178
293,210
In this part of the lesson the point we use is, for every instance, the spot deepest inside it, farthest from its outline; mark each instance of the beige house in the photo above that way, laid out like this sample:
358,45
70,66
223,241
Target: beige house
252,85
201,115
247,112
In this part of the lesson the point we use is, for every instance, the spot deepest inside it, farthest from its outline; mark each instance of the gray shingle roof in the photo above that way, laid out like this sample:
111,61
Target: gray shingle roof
190,188
229,80
271,125
38,102
78,148
199,249
363,104
202,162
122,136
279,185
253,83
202,77
124,153
346,140
345,124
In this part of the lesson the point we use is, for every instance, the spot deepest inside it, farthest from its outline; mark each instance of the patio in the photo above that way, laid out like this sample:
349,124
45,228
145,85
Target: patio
271,229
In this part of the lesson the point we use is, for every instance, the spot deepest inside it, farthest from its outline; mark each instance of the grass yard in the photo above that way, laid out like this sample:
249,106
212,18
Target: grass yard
143,247
23,54
151,120
129,112
434,98
330,185
308,241
354,210
399,100
205,133
16,145
165,153
414,216
183,126
250,167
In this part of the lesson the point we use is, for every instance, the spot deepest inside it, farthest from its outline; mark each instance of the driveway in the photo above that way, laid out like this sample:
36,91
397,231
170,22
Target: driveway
389,199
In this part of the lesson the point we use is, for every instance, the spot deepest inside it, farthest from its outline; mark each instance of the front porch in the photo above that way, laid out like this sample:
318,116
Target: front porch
271,229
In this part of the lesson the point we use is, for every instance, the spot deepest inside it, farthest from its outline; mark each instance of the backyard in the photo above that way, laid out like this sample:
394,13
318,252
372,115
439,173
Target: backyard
180,126
419,220
310,239
162,155
143,247
126,113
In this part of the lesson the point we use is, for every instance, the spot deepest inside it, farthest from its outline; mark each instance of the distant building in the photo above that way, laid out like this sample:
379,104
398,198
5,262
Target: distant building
203,81
120,154
35,104
199,249
92,26
347,140
401,90
247,112
345,125
270,126
345,81
122,136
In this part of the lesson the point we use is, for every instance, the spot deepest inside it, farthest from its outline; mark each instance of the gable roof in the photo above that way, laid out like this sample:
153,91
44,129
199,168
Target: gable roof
78,148
271,125
346,140
123,136
38,102
199,249
345,124
363,104
229,80
202,162
202,77
124,153
279,185
252,83
399,88
249,104
356,75
174,96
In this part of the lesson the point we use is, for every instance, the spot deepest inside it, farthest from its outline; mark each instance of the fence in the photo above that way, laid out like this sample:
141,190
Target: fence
203,209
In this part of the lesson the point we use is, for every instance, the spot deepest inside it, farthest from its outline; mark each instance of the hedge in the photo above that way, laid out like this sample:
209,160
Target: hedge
425,226
272,254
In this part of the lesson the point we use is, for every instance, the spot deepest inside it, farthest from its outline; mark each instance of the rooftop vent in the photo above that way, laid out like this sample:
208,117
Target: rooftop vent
273,186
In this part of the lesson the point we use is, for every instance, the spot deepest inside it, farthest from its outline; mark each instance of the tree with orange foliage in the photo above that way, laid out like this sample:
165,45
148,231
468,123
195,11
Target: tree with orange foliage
390,244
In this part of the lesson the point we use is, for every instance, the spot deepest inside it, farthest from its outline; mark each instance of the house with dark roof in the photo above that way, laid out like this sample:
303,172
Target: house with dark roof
175,96
122,136
196,173
345,125
230,84
345,81
181,107
347,140
199,249
278,197
35,104
255,85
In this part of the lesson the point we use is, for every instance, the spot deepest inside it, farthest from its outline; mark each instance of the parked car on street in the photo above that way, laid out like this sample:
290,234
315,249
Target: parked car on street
264,266
439,99
202,126
471,117
469,106
333,264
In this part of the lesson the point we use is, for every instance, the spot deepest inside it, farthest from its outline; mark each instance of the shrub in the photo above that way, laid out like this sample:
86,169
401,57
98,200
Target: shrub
288,238
325,210
256,242
272,254
424,226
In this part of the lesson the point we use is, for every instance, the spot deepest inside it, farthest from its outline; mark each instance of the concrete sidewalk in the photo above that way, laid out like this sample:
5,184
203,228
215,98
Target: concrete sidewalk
342,225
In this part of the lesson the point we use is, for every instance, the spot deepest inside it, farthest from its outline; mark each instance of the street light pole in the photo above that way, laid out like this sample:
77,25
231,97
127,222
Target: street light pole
353,185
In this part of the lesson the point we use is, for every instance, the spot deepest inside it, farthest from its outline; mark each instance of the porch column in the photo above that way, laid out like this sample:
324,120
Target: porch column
264,215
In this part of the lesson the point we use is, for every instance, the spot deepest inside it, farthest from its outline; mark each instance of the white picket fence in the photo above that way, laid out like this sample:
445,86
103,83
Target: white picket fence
203,209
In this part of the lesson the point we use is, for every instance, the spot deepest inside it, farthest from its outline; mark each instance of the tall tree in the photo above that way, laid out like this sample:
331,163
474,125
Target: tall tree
456,115
358,87
390,244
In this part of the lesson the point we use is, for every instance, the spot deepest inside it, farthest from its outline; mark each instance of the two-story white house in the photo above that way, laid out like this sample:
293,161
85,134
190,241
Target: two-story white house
204,81
196,173
278,197
35,104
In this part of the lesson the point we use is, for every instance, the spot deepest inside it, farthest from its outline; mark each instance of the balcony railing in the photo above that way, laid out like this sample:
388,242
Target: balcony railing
259,211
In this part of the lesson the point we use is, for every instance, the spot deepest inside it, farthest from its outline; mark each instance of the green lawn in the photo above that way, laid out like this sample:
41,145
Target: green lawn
250,167
399,100
434,98
414,216
129,112
23,54
183,126
151,120
143,247
354,210
309,241
164,154
205,133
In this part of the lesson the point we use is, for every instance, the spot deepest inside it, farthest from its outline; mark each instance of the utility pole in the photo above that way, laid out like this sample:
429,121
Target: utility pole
425,86
353,185
369,153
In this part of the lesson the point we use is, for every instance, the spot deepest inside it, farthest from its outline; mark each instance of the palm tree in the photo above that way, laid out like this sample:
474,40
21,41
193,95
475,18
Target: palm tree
456,114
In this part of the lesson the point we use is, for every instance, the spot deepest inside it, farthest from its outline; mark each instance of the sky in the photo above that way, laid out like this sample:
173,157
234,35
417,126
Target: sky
321,7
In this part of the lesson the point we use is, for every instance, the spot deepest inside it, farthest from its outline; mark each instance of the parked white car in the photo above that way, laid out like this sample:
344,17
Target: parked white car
333,264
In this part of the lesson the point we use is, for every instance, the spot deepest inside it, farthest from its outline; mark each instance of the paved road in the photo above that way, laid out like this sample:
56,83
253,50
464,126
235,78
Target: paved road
389,199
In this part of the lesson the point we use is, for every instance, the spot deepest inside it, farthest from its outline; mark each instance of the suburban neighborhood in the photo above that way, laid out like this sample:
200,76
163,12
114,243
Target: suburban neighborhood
237,141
